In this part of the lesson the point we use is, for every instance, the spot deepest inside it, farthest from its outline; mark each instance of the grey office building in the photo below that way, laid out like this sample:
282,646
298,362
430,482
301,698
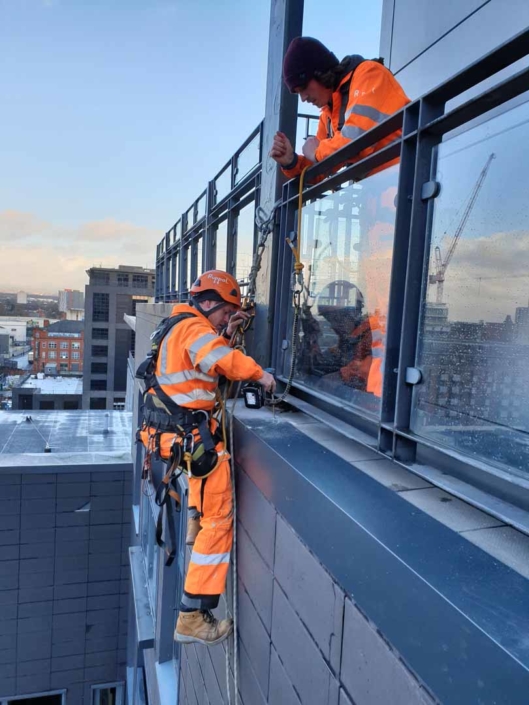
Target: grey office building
110,295
64,535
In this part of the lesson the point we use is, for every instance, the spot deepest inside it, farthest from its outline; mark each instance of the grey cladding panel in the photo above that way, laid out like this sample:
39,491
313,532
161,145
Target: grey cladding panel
303,662
418,24
281,689
371,671
311,591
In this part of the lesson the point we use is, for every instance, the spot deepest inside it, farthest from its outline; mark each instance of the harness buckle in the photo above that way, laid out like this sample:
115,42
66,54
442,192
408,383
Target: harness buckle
186,443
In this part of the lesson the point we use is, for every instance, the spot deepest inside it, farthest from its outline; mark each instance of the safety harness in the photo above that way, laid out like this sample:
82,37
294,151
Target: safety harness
193,449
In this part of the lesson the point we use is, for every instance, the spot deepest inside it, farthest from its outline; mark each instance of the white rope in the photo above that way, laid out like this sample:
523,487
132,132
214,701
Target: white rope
235,594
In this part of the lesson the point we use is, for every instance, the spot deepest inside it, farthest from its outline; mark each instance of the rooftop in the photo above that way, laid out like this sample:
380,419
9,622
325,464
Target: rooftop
66,327
55,385
71,435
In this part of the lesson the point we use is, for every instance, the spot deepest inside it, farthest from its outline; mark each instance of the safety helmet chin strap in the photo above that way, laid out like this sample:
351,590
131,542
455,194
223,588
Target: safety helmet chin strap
207,314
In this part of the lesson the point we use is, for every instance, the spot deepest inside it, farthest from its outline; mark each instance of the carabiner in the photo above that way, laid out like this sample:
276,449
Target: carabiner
185,444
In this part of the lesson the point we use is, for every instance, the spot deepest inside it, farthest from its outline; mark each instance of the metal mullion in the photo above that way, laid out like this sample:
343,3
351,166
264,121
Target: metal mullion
243,187
500,58
426,144
398,268
483,103
352,172
353,149
245,201
232,238
283,292
182,260
249,140
209,234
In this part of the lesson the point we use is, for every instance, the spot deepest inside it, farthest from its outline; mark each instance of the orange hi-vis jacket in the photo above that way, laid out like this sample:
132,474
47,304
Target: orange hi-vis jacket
191,358
374,94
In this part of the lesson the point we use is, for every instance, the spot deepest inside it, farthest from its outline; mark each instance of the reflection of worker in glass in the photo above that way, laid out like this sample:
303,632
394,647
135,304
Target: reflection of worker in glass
341,305
377,224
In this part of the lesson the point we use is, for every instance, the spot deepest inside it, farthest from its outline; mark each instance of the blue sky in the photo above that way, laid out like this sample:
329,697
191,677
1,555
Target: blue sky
115,113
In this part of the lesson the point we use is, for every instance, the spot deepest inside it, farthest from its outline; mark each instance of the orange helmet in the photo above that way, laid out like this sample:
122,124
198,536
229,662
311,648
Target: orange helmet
222,283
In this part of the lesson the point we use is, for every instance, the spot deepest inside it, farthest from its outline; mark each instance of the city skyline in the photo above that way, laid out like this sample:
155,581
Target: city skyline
110,126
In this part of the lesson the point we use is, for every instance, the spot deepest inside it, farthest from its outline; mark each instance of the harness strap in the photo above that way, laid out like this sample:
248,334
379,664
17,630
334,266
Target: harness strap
202,488
166,492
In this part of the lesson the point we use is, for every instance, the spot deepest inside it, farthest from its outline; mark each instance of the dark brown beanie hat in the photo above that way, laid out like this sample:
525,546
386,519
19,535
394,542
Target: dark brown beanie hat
304,56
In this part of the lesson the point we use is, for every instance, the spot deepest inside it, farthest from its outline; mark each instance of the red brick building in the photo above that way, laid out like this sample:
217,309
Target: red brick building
58,349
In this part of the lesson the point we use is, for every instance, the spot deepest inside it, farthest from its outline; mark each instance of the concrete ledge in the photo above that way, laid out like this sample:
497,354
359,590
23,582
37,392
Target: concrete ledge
458,617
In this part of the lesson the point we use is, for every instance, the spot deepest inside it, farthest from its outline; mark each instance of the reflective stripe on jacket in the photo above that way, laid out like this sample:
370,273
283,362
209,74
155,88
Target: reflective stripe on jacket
374,95
191,358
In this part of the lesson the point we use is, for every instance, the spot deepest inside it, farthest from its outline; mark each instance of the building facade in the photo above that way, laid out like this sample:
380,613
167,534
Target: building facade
49,393
110,295
382,536
71,304
64,542
59,348
20,328
71,299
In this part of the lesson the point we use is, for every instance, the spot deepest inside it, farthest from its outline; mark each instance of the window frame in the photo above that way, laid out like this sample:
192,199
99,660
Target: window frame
120,692
444,110
16,698
101,309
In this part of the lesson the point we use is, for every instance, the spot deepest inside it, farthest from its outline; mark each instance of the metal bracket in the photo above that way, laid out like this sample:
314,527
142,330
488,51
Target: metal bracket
284,345
413,375
430,189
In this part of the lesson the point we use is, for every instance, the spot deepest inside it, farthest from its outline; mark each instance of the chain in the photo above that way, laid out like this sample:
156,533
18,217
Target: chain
265,224
295,325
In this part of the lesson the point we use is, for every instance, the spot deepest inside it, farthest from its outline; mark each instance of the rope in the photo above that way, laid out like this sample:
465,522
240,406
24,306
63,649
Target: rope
265,224
297,287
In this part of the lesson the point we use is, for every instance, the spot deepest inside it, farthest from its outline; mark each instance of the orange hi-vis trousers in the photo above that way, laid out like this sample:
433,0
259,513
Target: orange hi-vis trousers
210,560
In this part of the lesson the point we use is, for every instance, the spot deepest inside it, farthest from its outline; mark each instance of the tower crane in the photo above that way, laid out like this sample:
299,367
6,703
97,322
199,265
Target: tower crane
438,277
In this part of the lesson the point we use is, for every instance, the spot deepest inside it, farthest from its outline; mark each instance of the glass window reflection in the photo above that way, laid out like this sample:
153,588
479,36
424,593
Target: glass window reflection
221,245
245,241
223,185
474,336
347,250
189,258
247,159
200,256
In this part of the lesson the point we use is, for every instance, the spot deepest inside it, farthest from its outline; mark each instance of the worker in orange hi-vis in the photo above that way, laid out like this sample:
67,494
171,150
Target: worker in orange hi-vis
178,415
353,95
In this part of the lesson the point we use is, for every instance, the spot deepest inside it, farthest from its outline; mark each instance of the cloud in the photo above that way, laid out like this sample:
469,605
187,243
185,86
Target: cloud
55,257
15,225
488,277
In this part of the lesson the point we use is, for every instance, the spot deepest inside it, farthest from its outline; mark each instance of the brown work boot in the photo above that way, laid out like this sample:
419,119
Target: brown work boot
202,627
193,527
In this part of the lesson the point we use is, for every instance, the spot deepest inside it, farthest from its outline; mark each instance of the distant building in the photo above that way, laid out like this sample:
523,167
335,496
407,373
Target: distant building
71,299
110,295
50,393
73,314
4,341
58,349
21,328
64,581
22,297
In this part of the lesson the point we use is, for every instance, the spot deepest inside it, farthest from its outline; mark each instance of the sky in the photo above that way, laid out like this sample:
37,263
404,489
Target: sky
487,277
116,113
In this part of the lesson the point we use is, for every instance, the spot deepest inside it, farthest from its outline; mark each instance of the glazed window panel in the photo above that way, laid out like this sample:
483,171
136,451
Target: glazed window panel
245,241
474,332
347,251
221,245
